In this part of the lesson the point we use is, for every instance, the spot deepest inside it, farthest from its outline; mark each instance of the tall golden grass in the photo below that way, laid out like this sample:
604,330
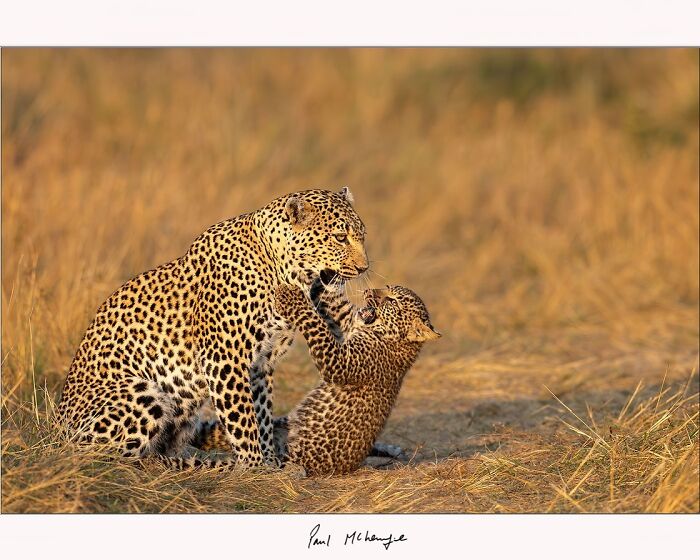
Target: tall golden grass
544,203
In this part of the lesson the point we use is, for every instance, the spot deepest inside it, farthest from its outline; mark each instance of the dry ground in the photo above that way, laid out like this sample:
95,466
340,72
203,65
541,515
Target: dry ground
544,204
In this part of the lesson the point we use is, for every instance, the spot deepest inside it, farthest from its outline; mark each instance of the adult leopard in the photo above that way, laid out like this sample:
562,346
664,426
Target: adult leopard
204,326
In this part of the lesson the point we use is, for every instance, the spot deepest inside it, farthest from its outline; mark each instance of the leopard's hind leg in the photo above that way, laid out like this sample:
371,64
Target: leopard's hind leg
133,415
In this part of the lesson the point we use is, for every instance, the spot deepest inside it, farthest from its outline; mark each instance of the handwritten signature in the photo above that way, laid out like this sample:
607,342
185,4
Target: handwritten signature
352,538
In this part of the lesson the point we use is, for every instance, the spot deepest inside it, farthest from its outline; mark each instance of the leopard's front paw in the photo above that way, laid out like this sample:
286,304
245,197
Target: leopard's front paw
289,300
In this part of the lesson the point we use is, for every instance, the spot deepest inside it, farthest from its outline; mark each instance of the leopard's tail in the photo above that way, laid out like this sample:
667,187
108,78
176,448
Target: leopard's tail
210,435
183,463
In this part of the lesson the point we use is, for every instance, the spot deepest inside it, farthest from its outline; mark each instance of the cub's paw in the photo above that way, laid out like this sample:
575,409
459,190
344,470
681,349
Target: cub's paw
386,450
310,282
304,278
289,300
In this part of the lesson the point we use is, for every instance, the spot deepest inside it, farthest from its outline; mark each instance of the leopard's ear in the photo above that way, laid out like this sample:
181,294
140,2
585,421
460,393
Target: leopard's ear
347,195
298,211
420,331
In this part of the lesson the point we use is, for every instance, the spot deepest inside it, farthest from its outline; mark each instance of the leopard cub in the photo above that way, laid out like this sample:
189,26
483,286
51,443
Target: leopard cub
362,366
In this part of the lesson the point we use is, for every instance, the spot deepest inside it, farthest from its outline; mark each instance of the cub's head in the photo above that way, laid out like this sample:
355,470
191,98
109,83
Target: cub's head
397,313
324,236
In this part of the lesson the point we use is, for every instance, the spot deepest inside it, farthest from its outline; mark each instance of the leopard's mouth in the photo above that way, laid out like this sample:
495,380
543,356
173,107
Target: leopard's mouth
332,277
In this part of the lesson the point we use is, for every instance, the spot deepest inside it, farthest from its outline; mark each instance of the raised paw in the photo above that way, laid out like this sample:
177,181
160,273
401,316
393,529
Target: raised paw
289,300
305,278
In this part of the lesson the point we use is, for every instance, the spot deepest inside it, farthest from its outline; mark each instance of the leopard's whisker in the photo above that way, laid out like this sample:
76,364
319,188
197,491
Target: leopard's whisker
377,273
345,290
366,281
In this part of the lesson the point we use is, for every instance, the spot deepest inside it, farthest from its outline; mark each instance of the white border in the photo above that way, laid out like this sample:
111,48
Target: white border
543,537
360,22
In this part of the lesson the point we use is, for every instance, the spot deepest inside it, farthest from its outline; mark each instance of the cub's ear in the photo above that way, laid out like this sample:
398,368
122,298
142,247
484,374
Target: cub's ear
420,332
299,211
347,195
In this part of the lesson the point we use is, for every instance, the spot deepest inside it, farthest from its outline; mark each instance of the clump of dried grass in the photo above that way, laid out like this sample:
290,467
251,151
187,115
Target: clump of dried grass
645,458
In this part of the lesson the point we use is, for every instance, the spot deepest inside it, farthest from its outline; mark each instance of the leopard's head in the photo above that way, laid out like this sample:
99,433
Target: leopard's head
322,236
396,313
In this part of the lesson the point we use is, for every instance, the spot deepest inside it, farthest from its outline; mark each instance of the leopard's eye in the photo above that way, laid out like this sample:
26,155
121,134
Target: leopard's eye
341,237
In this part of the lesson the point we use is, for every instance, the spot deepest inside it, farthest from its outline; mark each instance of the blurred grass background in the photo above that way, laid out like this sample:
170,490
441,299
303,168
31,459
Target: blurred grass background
543,202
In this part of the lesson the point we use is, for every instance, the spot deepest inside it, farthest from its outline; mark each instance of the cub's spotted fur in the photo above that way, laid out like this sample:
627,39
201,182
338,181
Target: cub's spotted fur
204,327
332,430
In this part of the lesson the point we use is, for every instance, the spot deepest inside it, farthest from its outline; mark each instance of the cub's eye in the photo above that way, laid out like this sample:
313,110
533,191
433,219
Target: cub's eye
341,237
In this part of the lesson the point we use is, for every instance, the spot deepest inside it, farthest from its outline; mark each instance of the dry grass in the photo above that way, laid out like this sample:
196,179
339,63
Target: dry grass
544,203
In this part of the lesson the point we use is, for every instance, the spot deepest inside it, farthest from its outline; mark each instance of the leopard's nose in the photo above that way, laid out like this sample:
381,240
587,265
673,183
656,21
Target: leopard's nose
361,269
